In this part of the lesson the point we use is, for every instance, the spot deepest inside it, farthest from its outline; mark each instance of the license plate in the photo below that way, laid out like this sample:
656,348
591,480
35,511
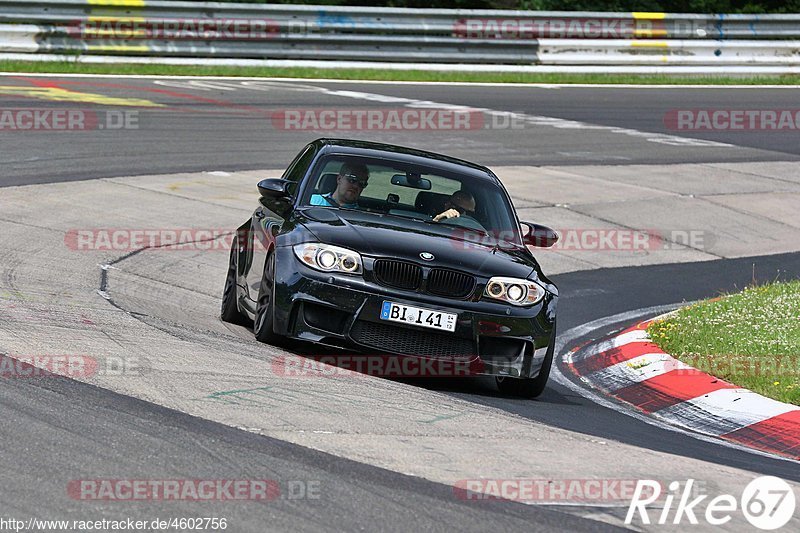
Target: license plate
417,316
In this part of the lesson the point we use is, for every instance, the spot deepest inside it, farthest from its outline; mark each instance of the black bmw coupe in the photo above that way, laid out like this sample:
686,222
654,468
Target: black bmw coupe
388,250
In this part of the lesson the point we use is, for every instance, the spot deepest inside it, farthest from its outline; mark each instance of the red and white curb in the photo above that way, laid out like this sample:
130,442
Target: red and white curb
632,369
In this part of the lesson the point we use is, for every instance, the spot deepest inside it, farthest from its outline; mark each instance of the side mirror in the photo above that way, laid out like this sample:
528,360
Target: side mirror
274,188
539,236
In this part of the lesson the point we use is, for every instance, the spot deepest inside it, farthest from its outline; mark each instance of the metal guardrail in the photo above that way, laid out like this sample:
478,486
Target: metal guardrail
676,52
164,28
19,38
443,22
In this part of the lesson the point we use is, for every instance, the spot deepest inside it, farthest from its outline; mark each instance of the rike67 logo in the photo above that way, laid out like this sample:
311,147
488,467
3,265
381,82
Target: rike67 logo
767,502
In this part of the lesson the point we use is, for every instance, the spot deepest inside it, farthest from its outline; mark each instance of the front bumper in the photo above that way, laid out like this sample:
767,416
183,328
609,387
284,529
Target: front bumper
344,311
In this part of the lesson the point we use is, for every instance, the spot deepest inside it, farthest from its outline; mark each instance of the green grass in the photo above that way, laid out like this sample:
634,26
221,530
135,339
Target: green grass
751,338
71,67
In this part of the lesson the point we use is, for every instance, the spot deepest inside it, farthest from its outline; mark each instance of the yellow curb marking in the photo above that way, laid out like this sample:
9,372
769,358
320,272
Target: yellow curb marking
649,44
117,48
116,3
57,94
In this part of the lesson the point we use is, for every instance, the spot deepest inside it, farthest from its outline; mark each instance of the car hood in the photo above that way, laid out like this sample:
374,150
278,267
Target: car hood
378,235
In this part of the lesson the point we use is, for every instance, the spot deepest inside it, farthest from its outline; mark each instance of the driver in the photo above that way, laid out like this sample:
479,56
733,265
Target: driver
460,203
350,183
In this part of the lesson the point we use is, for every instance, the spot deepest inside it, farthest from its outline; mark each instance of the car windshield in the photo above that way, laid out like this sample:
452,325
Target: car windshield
413,192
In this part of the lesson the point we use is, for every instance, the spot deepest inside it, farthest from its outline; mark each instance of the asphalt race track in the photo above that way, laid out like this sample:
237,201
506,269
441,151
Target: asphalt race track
384,454
227,125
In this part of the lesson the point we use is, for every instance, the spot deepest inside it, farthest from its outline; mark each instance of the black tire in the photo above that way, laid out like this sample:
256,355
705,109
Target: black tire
529,387
264,325
229,311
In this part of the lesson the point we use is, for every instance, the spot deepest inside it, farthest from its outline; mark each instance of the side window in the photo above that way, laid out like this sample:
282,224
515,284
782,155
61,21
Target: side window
299,166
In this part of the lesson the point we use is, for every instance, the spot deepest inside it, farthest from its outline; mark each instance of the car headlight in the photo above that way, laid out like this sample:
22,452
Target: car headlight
514,291
328,258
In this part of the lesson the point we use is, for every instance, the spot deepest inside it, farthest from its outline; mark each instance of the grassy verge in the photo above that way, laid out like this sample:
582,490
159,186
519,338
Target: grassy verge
751,338
71,67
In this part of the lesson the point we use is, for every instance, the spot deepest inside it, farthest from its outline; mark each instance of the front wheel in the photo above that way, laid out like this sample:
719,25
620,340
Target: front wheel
529,387
229,311
263,326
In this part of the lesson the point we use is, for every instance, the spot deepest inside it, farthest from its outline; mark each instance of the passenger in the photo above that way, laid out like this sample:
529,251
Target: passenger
460,203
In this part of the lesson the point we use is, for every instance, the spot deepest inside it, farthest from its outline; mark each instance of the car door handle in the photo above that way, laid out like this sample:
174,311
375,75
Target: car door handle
260,214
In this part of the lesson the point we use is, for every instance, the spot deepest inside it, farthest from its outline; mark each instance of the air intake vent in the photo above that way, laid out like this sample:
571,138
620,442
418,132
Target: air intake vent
398,274
412,341
450,283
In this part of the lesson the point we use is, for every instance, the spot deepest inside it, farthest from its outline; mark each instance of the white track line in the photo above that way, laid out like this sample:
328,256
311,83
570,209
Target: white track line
539,120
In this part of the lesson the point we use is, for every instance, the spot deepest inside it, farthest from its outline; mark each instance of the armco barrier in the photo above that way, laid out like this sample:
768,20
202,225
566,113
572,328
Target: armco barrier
171,29
19,38
673,52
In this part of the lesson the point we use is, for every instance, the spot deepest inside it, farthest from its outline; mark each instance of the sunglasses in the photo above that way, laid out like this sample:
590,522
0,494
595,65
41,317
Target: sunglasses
355,180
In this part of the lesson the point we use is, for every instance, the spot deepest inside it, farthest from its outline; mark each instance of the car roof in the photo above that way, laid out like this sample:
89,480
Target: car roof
404,154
